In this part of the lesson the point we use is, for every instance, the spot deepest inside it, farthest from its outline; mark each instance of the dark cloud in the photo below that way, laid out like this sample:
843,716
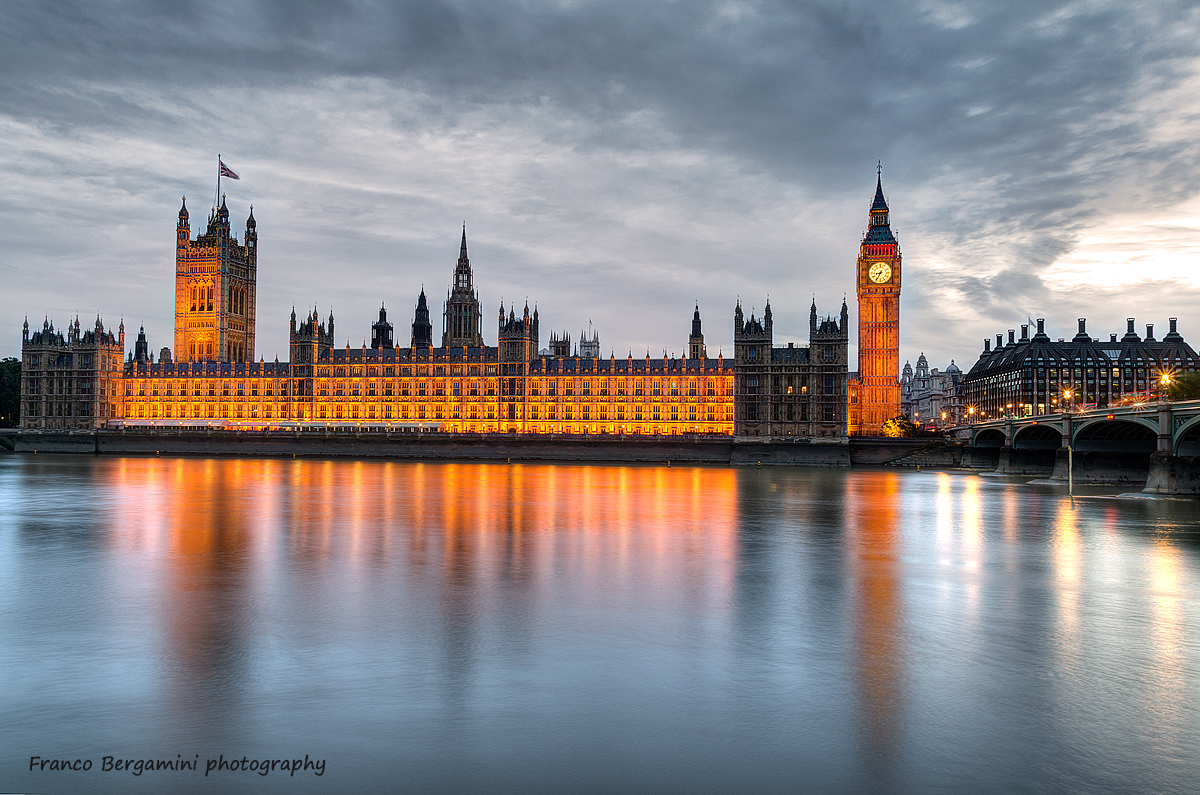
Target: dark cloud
1006,128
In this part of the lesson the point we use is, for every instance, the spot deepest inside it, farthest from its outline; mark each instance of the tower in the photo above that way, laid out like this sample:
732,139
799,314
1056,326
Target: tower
518,335
141,348
310,340
560,345
215,287
381,331
696,340
752,342
422,329
589,348
877,389
461,320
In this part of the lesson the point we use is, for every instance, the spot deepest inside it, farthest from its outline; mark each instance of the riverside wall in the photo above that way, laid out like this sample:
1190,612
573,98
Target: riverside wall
446,446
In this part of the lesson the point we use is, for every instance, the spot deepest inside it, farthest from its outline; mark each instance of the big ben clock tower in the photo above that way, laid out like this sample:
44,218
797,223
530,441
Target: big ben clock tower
876,391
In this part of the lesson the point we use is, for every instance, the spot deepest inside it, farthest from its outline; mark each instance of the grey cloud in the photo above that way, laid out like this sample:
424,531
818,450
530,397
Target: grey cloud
1018,122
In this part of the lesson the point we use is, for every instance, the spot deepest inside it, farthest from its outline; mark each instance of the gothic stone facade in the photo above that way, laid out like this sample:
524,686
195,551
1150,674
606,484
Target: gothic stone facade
790,391
71,381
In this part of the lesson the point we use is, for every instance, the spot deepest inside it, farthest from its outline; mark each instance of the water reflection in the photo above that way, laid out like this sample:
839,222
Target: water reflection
873,553
604,628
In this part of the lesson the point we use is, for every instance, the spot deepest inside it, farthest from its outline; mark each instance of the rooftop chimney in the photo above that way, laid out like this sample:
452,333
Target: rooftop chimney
1024,332
987,346
1012,333
1041,325
1149,332
1172,321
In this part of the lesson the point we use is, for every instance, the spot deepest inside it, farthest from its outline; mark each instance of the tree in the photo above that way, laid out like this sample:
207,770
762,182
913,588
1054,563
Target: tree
899,426
1184,386
10,392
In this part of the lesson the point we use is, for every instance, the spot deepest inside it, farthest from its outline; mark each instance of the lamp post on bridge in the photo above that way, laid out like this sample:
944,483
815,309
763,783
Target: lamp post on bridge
1068,433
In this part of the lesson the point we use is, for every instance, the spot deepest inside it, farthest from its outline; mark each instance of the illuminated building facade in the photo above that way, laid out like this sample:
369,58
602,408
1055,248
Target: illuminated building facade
1037,375
71,381
874,393
215,290
462,385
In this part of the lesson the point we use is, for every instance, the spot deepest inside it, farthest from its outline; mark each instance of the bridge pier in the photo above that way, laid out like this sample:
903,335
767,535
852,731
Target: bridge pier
1155,446
1173,474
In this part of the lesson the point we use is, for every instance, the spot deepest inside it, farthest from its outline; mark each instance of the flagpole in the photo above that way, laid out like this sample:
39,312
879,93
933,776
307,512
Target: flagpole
217,198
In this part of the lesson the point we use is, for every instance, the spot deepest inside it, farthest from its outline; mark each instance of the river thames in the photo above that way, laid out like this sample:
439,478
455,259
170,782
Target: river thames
488,628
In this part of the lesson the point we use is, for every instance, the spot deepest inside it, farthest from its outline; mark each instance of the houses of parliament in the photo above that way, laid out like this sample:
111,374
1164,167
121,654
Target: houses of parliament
84,379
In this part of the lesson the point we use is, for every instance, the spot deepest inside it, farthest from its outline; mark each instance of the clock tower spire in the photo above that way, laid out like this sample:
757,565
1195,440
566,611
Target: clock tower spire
875,393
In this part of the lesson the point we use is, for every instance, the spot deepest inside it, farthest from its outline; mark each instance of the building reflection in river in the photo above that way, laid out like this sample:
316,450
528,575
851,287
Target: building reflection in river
860,626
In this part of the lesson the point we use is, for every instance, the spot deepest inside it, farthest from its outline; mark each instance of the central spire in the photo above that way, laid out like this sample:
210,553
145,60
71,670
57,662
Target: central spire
462,316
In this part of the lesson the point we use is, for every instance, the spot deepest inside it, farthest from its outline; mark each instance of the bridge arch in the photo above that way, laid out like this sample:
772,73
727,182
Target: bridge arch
1042,436
1187,438
990,437
1131,435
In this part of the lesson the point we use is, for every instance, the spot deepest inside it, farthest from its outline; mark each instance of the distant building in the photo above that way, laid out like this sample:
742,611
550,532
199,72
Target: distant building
932,398
589,348
1037,375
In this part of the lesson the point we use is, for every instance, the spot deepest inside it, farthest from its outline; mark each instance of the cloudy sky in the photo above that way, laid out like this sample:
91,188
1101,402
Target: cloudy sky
615,162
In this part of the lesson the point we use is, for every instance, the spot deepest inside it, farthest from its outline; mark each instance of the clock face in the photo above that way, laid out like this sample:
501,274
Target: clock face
880,272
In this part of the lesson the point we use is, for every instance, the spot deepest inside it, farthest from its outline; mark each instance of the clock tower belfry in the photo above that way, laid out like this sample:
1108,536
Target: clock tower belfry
875,393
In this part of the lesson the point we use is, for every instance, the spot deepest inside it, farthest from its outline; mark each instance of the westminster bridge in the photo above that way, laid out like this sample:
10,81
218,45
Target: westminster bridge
1155,442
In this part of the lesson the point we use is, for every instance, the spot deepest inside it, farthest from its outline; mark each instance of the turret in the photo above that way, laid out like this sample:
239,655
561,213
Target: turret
422,329
251,231
381,331
183,231
696,348
222,221
141,348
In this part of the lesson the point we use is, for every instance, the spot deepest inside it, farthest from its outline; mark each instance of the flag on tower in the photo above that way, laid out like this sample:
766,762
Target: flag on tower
226,171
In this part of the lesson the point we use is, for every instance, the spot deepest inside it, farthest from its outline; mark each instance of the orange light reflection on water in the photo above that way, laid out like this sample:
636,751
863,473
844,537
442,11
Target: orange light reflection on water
217,529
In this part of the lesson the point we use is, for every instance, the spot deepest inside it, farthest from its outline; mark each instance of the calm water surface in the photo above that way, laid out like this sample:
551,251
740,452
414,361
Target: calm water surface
491,628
